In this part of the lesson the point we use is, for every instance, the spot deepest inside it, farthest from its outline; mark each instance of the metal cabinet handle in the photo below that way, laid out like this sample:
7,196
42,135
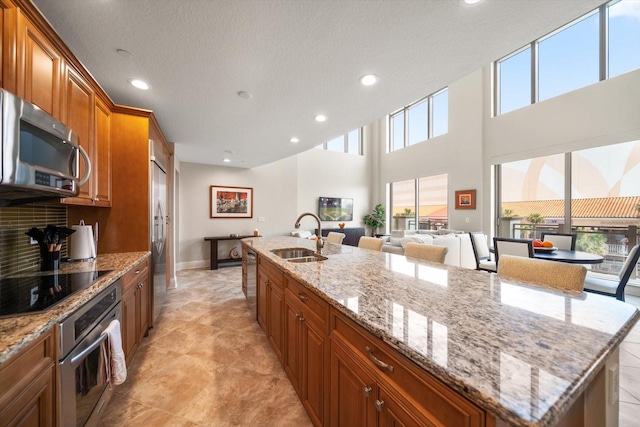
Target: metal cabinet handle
302,296
301,318
137,272
379,405
366,391
267,282
379,363
297,316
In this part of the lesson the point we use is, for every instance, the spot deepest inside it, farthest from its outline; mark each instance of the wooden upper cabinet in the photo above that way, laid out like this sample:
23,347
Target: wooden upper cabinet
102,164
78,114
39,68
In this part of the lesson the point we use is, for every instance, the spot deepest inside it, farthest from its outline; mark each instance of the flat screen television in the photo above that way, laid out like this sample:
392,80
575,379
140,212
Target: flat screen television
335,209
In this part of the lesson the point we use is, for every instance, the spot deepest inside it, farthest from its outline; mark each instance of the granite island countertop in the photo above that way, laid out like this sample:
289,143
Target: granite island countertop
493,341
16,332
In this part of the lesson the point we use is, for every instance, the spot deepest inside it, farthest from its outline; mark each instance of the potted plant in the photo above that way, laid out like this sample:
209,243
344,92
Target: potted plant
375,219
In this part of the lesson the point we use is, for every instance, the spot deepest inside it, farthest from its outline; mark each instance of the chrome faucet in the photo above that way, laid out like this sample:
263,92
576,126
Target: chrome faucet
319,242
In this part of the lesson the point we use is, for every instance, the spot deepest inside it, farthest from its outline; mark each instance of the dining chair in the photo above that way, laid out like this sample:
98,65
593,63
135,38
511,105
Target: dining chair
610,287
560,240
424,252
516,247
333,237
372,243
551,274
481,252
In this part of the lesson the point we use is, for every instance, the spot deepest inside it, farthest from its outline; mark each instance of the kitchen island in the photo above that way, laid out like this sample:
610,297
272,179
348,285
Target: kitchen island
519,354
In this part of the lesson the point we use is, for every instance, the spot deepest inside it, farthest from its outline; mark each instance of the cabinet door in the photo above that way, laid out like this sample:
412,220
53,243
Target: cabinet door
39,68
315,375
79,116
144,298
275,324
261,291
393,414
352,392
129,323
34,406
102,159
293,347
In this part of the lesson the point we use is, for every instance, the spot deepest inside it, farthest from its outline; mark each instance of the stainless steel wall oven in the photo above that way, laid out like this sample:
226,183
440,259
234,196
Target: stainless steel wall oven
84,393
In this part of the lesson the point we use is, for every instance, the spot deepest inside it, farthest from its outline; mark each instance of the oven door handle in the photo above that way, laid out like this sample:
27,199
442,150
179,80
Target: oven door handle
77,358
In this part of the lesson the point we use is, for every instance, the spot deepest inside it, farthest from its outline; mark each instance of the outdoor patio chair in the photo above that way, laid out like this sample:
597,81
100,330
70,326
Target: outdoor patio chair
610,287
560,240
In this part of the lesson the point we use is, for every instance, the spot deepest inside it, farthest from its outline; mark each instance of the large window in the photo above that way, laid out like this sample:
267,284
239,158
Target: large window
350,143
601,206
601,44
427,211
424,119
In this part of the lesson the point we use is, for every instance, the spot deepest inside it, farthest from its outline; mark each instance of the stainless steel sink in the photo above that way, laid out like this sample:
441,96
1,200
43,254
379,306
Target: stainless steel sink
298,254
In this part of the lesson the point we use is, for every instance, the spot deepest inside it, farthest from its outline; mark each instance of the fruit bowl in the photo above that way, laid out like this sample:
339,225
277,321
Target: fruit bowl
551,249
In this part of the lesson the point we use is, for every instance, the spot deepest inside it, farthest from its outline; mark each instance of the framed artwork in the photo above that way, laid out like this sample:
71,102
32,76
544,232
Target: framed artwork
466,199
231,202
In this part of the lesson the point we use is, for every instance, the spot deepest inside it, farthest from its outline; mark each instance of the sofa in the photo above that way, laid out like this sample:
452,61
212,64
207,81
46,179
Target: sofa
458,243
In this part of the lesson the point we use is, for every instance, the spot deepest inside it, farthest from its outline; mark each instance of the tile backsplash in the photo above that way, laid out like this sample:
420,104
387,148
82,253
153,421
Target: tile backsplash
16,254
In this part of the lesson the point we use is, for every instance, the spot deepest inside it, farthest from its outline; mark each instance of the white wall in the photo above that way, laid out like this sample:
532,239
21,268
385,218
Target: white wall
600,114
457,153
281,191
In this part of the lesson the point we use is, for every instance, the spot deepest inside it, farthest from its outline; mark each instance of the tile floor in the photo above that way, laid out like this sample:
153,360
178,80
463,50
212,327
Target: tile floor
207,362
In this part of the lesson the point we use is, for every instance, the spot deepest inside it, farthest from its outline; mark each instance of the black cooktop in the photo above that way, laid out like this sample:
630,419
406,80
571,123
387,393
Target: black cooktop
28,295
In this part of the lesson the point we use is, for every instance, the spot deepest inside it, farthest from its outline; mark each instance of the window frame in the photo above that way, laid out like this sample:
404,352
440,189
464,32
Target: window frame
405,110
603,57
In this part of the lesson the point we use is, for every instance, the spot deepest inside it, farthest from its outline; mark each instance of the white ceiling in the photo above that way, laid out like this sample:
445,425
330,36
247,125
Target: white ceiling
297,58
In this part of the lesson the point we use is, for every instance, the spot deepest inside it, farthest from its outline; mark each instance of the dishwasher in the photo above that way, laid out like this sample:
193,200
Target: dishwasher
252,281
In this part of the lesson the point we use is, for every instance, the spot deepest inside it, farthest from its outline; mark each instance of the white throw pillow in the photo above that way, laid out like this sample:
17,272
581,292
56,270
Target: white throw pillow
410,239
395,241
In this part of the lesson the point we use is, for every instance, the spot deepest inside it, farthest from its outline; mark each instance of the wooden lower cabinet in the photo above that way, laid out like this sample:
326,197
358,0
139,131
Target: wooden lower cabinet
136,299
275,300
341,372
306,357
352,391
27,394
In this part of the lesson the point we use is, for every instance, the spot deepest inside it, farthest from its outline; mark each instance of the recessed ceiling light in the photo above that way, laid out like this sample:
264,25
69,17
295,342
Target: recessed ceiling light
321,118
139,84
244,94
226,160
470,2
294,139
369,79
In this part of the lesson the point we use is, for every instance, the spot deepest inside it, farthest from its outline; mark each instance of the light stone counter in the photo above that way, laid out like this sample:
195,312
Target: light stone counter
521,352
18,331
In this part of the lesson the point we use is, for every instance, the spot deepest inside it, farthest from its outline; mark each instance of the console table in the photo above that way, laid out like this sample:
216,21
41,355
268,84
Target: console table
351,235
214,250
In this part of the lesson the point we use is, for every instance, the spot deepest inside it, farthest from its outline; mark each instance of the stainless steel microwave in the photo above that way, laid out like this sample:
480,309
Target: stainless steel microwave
40,156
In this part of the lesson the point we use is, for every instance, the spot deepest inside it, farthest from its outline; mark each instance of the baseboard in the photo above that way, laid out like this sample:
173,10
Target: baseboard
189,265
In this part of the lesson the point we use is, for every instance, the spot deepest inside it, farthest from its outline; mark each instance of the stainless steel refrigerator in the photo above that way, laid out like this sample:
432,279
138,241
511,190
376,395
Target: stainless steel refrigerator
158,228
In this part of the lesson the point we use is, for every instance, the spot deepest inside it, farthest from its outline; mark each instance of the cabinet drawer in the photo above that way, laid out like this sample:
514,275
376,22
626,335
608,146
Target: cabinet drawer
434,402
132,276
314,306
271,270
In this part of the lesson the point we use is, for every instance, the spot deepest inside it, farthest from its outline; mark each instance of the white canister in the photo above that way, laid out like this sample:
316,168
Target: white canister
82,244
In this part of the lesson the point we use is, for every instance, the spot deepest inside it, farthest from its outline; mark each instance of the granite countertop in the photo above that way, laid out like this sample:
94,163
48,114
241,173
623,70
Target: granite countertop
521,352
18,331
